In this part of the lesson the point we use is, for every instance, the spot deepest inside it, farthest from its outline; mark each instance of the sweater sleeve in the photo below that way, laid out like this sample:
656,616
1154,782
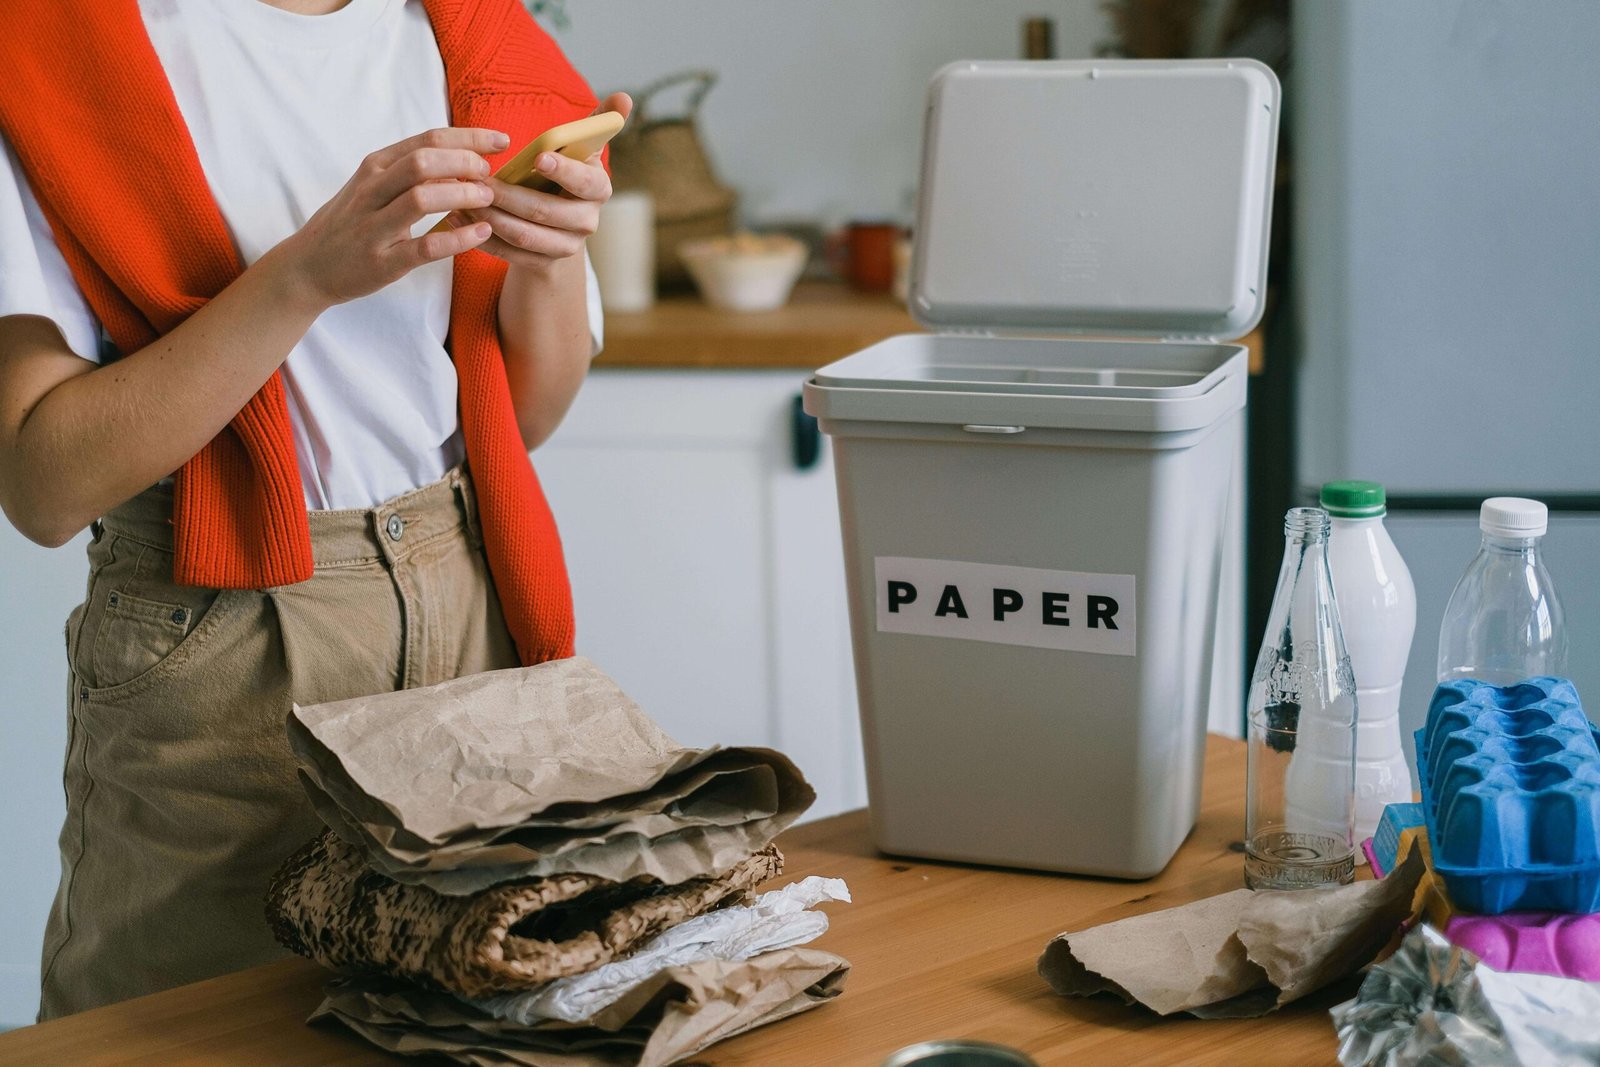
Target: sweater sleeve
34,277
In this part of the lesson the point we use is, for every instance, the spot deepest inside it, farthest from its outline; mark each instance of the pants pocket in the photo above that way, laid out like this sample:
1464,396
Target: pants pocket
137,634
135,619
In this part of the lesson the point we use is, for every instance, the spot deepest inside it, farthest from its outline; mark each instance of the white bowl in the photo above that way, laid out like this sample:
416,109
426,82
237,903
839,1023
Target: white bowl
733,275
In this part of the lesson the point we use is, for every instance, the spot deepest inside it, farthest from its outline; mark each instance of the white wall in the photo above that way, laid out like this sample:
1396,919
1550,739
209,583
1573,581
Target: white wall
818,109
1448,243
38,587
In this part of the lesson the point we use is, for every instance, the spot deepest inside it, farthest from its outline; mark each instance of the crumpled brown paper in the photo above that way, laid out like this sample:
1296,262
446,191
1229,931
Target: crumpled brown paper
325,903
1237,955
675,1013
531,772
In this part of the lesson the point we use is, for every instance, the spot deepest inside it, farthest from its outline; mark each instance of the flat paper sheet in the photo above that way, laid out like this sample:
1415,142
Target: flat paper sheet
676,1013
1237,955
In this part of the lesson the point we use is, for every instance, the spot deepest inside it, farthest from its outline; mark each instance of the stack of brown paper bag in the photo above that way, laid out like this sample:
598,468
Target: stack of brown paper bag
678,1012
508,829
534,771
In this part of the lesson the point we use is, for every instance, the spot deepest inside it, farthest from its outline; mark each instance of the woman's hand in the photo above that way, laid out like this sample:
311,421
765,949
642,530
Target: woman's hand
538,229
360,241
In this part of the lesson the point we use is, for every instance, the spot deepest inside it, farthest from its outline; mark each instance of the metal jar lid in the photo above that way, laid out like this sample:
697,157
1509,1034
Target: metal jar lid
958,1054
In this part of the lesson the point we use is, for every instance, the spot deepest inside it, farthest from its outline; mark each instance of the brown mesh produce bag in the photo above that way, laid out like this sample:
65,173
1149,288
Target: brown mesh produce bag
325,902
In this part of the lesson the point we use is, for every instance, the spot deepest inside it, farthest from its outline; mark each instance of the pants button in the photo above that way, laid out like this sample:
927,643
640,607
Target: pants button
396,527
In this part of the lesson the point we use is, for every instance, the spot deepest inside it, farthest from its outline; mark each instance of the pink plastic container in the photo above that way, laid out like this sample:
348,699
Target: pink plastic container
1534,942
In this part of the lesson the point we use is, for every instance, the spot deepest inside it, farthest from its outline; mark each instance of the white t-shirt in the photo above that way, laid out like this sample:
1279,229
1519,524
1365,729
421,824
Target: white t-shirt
282,108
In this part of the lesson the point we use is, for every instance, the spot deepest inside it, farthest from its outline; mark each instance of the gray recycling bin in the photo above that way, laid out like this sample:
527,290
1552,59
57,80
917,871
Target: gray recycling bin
1041,531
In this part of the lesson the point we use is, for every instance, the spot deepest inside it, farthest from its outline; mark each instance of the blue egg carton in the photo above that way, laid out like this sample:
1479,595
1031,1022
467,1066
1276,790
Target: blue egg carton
1511,793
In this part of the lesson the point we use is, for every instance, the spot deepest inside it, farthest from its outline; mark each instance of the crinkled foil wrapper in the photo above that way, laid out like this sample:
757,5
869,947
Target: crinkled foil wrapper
1434,1005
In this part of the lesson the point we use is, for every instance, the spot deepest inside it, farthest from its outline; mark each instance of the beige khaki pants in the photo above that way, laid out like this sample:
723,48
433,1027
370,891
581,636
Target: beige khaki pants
181,792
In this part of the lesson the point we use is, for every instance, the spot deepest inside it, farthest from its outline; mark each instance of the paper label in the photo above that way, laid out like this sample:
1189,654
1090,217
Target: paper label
1074,611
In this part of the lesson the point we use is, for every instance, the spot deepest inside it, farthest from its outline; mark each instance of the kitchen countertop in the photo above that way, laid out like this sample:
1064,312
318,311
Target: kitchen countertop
822,322
939,950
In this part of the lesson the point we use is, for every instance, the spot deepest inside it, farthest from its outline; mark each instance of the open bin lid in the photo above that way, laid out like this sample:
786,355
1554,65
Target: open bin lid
1097,196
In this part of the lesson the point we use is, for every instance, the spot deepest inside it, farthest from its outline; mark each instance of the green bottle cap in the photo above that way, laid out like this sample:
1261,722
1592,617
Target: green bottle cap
1353,500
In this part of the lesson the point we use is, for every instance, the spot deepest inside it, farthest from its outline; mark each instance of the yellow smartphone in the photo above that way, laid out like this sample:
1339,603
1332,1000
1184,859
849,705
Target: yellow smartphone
575,140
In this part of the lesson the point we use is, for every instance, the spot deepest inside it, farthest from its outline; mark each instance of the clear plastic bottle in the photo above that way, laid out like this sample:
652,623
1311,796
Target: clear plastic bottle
1504,623
1378,614
1300,779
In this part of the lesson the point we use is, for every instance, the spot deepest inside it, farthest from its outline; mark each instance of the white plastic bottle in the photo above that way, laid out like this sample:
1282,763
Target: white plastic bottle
1378,610
1504,623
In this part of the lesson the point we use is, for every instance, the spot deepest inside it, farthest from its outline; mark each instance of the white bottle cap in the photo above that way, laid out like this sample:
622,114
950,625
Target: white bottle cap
1513,516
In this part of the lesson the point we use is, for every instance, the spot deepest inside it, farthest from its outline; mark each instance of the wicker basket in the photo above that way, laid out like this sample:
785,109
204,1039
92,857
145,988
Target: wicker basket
665,158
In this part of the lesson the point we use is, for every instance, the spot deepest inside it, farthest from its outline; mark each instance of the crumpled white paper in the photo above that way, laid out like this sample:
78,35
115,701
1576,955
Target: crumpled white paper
778,919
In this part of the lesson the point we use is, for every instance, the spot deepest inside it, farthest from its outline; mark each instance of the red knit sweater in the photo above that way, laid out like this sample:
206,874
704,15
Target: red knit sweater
88,110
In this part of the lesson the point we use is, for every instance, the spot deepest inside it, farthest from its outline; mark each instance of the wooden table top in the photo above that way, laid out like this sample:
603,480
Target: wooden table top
939,951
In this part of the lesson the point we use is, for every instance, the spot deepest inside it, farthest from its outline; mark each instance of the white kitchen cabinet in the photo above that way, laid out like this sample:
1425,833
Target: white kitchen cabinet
706,566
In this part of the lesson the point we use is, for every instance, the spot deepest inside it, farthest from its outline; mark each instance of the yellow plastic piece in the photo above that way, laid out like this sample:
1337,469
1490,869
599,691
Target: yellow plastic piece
1432,903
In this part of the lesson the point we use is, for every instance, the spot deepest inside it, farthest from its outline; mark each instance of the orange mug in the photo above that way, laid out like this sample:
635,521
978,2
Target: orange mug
863,254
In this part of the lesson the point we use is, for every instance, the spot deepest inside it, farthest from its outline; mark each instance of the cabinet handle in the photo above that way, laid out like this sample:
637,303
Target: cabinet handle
805,437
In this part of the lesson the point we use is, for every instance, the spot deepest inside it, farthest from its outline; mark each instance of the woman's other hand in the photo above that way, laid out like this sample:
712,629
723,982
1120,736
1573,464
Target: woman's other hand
361,240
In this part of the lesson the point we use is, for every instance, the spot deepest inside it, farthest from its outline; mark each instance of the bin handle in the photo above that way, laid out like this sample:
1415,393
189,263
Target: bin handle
805,437
973,427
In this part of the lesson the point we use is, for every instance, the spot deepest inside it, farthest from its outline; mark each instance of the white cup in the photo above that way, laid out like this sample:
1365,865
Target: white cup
623,249
902,269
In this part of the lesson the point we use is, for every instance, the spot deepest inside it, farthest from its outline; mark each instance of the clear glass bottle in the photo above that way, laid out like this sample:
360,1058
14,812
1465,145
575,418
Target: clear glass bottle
1300,781
1504,622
